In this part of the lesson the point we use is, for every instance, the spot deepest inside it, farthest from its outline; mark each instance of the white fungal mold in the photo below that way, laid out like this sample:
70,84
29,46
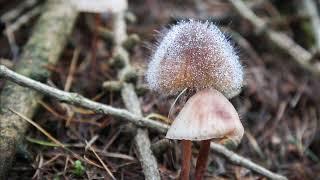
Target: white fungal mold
195,55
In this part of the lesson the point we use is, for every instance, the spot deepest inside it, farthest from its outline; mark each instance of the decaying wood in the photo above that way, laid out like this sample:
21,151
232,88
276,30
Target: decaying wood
42,49
76,99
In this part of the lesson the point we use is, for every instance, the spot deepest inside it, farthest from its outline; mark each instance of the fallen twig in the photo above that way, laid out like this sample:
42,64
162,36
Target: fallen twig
283,41
75,99
25,18
235,158
142,142
11,28
103,164
14,13
311,9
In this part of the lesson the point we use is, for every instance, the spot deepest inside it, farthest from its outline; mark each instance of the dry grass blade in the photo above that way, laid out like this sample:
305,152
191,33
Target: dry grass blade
39,128
101,161
53,139
48,108
159,117
72,70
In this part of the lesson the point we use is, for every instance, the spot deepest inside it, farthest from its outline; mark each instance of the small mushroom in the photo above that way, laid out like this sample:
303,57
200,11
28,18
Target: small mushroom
208,115
197,56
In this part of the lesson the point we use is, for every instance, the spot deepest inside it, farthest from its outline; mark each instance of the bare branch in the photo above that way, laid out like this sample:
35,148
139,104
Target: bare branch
311,9
76,99
142,142
14,13
283,41
235,158
23,19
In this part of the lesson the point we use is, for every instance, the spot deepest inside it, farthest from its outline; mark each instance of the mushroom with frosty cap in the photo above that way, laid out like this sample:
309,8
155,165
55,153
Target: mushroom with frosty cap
197,56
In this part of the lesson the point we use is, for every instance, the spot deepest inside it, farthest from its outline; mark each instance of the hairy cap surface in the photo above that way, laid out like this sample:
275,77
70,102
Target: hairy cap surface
195,55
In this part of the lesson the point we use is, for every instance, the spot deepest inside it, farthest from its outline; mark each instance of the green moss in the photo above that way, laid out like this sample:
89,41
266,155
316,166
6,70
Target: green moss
78,168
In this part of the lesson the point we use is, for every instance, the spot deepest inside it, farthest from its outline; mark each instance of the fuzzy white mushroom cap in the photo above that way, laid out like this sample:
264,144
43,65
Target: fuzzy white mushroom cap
195,55
207,115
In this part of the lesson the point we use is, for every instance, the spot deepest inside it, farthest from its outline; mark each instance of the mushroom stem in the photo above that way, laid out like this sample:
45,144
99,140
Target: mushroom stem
202,159
186,159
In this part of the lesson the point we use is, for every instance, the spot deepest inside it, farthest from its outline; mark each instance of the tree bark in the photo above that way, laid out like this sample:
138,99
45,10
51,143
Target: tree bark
43,48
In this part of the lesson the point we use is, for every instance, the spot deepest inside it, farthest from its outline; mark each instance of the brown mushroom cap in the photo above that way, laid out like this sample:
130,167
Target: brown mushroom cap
207,115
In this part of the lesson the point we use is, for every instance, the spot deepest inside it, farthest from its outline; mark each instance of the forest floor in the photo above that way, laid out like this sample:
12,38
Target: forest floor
279,105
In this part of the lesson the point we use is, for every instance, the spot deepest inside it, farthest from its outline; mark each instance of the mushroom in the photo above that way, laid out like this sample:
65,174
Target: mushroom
207,115
197,56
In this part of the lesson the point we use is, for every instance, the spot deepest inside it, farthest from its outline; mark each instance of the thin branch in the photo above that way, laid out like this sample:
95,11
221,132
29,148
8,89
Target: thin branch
75,99
145,155
283,41
235,158
23,19
72,69
103,164
12,43
14,13
11,27
142,142
311,8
